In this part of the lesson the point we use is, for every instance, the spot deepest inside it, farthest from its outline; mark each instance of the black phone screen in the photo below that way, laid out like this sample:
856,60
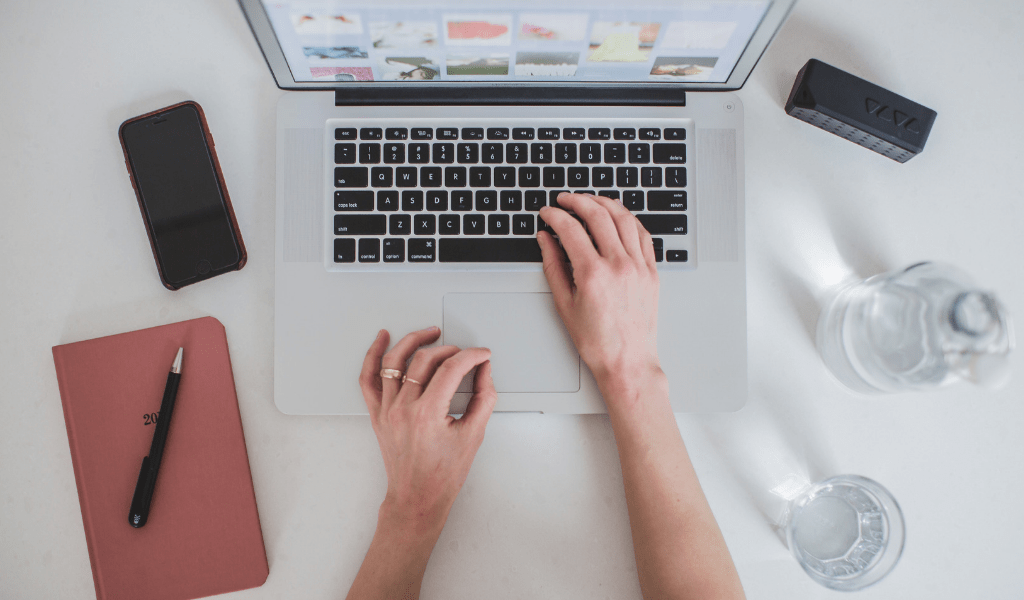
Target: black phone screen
180,193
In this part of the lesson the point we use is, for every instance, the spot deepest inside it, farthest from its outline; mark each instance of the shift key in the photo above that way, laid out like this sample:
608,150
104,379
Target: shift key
360,224
663,224
351,177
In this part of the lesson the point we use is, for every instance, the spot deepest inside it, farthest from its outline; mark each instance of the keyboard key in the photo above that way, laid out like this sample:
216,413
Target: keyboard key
599,133
633,200
627,177
497,133
676,256
444,153
486,200
548,133
554,176
351,177
480,177
489,250
369,250
437,200
504,177
497,224
659,249
430,176
650,177
553,198
565,154
353,201
371,133
396,133
493,153
394,250
639,154
540,153
650,134
624,133
675,177
421,133
345,133
344,154
447,133
359,224
615,154
512,201
574,133
455,176
469,153
663,224
675,134
448,224
422,250
522,224
419,153
462,200
613,194
400,225
590,153
666,201
394,153
405,177
387,200
535,200
529,176
522,133
669,153
579,177
412,201
472,133
344,250
381,176
473,224
517,153
369,153
424,224
602,176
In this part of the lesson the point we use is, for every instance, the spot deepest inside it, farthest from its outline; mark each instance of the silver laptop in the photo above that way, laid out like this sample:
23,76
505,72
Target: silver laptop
421,140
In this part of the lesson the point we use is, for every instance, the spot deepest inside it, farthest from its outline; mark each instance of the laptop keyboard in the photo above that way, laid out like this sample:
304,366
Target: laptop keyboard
425,196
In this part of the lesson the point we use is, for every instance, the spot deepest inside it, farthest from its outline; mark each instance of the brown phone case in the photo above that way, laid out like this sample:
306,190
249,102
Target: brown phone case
220,181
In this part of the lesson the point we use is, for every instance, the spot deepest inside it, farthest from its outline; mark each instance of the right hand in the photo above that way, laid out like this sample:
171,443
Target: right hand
609,298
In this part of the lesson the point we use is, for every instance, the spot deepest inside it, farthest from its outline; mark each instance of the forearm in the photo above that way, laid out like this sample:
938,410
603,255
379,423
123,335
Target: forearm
680,551
394,565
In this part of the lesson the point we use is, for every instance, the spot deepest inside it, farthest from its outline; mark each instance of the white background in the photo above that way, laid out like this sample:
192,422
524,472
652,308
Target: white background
543,513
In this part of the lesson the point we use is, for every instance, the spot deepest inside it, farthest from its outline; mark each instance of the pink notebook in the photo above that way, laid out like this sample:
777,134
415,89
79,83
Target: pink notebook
203,536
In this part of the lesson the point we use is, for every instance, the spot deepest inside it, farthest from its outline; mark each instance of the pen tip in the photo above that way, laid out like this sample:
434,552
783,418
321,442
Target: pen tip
176,367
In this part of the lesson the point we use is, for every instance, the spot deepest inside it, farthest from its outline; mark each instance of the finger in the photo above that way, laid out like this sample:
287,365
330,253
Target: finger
450,374
571,234
599,222
625,225
555,269
369,376
421,369
481,405
647,244
397,357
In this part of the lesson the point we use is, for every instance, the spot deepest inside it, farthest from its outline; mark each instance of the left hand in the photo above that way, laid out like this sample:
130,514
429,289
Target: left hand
427,453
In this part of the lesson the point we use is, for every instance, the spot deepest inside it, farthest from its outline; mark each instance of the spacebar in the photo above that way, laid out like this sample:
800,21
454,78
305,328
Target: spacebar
489,250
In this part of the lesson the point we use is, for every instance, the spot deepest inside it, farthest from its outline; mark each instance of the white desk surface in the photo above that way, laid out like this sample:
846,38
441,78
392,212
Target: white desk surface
543,513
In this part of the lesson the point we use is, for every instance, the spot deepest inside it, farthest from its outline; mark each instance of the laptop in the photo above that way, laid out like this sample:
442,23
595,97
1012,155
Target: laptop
419,140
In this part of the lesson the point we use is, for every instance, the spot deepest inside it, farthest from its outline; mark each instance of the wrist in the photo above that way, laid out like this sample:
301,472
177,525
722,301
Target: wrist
412,523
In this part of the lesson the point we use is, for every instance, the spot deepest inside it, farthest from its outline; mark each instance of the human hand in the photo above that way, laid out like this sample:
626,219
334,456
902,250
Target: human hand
609,298
427,453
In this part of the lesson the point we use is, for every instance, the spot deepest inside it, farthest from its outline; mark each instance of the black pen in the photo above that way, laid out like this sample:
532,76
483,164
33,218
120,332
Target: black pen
139,512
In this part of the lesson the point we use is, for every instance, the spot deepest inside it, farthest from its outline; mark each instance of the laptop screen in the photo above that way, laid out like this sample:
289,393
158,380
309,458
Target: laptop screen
362,43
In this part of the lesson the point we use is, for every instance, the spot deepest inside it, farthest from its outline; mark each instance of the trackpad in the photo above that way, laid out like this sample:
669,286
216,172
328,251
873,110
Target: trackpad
530,348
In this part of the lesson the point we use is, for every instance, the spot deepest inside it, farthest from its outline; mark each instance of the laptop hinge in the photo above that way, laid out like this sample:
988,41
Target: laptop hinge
583,95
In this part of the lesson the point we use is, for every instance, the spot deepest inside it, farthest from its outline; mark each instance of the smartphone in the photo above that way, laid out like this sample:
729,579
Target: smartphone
173,167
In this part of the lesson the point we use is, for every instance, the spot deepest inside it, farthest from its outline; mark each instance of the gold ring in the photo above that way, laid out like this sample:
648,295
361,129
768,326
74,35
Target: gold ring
391,374
410,380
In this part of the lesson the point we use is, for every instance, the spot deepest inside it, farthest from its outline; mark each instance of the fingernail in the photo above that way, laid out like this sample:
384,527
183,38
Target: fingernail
560,194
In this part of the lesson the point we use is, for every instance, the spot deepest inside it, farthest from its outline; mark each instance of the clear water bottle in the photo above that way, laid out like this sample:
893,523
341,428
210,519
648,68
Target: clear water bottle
918,328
